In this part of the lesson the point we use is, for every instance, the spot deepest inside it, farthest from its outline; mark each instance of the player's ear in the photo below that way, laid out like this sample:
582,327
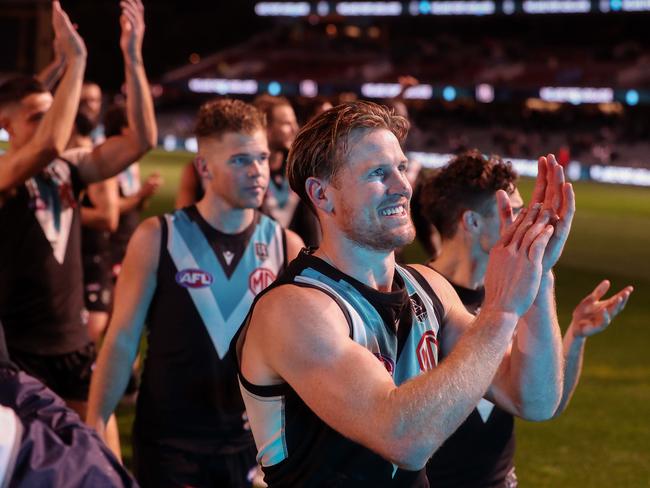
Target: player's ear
470,220
5,122
316,189
201,166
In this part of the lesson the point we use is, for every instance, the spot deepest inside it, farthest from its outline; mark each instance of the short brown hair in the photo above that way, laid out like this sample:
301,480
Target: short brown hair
468,182
222,115
266,103
321,145
15,89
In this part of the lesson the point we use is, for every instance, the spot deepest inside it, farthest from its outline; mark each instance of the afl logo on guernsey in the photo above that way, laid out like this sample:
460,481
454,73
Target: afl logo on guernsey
260,279
194,278
427,351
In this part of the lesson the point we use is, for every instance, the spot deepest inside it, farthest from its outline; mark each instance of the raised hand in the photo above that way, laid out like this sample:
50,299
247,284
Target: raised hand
151,185
560,199
593,315
132,24
557,201
67,39
514,270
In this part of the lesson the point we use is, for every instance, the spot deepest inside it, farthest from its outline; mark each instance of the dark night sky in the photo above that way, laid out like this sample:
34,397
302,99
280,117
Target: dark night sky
175,29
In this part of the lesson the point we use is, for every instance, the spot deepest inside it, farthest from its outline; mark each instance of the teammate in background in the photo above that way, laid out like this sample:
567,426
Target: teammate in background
193,274
281,202
41,294
342,387
99,217
459,200
133,195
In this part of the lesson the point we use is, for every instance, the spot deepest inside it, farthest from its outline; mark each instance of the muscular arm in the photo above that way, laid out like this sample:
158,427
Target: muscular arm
525,385
135,288
403,424
52,72
529,384
119,151
54,130
590,317
105,214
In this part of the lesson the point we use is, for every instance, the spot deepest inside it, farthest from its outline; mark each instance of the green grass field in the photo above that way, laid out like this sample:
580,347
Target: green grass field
603,440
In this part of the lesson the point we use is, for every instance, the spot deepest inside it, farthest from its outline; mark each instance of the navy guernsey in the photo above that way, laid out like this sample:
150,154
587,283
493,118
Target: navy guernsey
401,328
206,282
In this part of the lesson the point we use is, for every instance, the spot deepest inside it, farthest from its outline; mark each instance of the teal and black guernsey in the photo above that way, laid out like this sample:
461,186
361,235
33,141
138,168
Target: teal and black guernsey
400,327
206,283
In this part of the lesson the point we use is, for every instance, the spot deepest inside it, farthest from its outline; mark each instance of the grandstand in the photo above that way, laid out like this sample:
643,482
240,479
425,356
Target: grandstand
511,85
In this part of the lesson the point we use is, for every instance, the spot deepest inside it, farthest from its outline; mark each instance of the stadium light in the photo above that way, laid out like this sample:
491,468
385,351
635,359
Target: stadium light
169,143
636,5
620,175
391,90
575,95
485,7
282,9
485,93
632,97
508,7
274,88
449,93
369,9
322,9
4,135
557,6
191,145
223,86
574,171
308,88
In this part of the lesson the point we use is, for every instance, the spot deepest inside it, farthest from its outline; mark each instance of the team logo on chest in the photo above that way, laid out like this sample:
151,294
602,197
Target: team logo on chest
260,279
427,351
261,251
194,278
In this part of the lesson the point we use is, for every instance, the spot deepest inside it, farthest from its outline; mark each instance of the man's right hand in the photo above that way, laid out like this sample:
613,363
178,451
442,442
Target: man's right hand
67,37
132,24
514,269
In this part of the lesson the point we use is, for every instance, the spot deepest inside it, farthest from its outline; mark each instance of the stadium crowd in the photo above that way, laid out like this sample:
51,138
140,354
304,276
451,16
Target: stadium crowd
287,344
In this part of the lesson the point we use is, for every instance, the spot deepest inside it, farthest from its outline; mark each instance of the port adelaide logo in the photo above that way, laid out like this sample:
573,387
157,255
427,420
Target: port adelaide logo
261,251
194,278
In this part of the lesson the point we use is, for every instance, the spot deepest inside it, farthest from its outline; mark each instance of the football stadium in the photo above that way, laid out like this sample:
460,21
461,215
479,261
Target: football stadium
213,211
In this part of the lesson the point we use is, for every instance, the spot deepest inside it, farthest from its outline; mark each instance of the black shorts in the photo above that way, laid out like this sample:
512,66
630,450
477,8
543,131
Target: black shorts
67,375
98,283
155,465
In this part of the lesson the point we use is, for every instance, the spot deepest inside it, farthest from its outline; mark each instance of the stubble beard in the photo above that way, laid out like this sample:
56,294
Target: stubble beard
375,238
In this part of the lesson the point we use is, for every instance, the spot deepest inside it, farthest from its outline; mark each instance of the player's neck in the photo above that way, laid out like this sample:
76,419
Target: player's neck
372,268
456,263
224,217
